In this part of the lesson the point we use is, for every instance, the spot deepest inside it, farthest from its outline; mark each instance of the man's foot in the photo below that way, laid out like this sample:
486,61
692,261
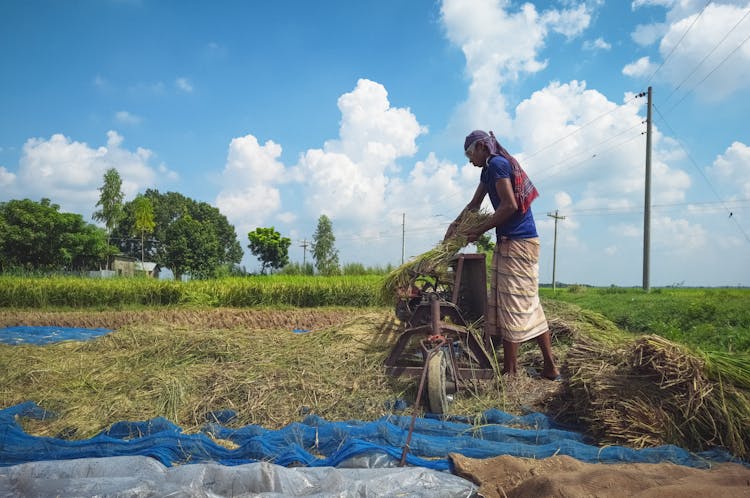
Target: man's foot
551,374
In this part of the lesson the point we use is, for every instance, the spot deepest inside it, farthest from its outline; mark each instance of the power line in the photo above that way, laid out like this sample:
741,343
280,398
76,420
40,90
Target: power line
679,42
726,35
551,171
695,165
711,72
538,151
698,206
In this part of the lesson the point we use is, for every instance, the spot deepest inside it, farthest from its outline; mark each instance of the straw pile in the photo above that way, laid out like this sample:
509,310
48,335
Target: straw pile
268,374
435,261
652,392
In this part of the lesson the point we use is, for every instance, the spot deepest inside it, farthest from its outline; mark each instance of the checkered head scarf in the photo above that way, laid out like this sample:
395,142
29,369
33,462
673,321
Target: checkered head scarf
523,189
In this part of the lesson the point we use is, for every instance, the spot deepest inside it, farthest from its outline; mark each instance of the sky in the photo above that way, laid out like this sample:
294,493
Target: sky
279,112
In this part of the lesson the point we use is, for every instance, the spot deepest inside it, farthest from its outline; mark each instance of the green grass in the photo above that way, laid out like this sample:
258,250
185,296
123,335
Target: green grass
711,319
276,290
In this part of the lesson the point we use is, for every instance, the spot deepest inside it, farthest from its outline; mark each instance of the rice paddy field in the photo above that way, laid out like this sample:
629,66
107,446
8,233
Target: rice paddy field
670,366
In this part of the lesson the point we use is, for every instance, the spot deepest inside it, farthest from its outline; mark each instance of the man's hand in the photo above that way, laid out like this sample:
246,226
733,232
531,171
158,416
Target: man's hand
451,232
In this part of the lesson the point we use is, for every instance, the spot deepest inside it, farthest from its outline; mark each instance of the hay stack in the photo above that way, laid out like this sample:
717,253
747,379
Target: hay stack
652,392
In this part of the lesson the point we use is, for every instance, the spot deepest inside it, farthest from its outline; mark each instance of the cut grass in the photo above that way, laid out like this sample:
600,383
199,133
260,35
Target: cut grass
182,372
184,364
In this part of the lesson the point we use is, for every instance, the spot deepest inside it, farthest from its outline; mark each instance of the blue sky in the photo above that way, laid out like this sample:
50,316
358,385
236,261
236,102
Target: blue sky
278,112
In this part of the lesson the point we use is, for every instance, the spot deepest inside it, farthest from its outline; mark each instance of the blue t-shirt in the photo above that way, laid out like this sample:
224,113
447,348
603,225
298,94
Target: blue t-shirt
520,225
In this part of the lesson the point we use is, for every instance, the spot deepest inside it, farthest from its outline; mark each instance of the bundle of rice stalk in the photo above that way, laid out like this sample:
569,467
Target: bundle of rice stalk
655,392
728,367
436,260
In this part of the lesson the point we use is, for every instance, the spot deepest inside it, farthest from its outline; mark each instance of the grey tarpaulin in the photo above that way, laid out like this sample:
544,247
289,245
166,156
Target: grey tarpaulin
140,476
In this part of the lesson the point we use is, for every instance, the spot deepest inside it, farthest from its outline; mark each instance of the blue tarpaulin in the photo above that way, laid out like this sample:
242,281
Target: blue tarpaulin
316,442
47,334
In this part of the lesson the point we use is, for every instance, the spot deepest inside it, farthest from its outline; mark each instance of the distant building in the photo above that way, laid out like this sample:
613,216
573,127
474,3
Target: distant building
128,266
123,265
150,269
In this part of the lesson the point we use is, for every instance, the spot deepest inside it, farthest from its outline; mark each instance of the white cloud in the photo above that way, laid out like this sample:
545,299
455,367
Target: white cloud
125,117
563,200
372,132
677,235
184,85
499,46
627,230
287,217
249,207
641,67
702,51
249,196
733,169
570,22
348,177
648,34
596,161
70,172
6,177
353,179
596,45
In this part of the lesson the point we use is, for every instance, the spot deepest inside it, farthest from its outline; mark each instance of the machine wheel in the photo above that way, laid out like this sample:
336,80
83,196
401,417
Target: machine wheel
436,395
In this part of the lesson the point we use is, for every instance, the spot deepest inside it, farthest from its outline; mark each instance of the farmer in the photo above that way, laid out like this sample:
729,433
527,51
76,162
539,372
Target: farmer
514,312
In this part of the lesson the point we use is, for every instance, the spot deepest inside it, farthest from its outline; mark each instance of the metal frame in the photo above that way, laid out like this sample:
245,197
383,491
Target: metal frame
468,298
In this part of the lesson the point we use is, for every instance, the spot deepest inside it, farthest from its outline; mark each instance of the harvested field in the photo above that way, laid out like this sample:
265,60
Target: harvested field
185,363
221,318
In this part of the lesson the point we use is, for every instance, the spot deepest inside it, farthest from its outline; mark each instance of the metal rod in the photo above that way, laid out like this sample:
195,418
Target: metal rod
429,355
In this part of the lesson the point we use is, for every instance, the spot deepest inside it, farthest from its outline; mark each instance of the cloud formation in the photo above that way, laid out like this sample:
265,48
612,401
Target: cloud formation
499,46
702,46
70,172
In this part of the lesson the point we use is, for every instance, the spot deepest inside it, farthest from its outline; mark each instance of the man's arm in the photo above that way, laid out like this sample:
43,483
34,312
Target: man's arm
473,205
504,211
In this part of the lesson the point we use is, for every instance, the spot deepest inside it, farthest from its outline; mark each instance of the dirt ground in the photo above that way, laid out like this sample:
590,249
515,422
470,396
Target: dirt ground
563,476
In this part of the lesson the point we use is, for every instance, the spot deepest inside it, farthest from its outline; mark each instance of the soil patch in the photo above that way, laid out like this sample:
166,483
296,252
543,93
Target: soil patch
507,476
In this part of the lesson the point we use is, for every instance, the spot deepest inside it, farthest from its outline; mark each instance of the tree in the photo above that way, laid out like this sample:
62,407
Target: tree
168,209
484,244
110,200
143,212
35,235
269,247
193,248
324,253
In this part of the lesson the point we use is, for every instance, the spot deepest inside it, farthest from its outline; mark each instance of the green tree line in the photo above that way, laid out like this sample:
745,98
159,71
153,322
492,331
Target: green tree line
176,232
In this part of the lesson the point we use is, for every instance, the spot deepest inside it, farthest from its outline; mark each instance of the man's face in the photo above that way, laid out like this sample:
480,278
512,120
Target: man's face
477,154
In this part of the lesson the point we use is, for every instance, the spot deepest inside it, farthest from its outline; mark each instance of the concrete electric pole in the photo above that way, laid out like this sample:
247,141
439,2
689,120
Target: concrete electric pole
557,217
647,201
304,245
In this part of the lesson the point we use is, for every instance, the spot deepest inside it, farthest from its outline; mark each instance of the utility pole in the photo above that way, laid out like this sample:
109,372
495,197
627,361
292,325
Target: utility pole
403,235
556,216
647,201
304,245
